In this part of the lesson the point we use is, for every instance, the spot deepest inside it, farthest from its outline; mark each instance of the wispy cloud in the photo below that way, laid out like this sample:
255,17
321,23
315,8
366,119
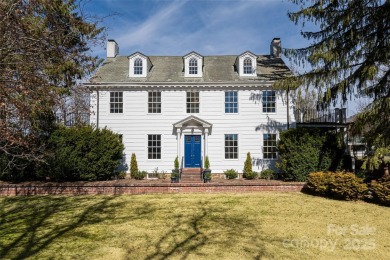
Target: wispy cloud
153,27
176,27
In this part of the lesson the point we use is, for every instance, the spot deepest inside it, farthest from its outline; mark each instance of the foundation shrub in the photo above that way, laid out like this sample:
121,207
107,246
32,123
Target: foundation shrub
251,175
207,163
267,174
231,174
248,166
139,175
122,175
133,165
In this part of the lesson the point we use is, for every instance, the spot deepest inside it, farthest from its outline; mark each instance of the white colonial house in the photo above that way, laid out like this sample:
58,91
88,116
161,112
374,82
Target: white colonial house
192,106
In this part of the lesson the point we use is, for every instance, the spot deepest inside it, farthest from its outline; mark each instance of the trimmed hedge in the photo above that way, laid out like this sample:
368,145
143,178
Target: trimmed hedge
381,190
338,185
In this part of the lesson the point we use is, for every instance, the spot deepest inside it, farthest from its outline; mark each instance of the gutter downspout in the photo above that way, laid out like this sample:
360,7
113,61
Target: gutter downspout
288,107
97,109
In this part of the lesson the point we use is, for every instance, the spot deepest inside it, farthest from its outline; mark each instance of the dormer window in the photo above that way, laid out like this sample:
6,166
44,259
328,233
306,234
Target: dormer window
193,64
139,65
246,64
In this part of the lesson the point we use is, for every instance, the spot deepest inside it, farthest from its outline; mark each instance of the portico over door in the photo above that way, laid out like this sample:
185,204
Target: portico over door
192,141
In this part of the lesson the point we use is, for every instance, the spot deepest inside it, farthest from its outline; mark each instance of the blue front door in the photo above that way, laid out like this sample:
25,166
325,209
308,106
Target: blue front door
192,151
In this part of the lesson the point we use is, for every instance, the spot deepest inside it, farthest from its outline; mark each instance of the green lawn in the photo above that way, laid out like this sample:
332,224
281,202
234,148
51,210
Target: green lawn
192,226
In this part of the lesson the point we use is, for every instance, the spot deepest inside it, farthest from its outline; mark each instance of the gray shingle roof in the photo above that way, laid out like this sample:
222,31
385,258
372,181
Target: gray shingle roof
170,69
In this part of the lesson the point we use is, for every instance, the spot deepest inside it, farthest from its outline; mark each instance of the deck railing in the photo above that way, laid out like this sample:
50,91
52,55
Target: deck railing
72,119
337,116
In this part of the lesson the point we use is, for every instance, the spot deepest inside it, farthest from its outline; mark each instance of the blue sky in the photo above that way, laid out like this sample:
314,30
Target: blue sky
209,27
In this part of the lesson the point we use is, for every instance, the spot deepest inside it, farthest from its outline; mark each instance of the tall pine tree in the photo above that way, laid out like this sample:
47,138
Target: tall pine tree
349,56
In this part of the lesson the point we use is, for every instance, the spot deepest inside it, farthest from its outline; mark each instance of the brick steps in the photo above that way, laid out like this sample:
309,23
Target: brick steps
191,175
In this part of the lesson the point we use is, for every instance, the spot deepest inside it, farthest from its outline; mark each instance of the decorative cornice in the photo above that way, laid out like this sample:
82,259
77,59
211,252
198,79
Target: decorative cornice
200,85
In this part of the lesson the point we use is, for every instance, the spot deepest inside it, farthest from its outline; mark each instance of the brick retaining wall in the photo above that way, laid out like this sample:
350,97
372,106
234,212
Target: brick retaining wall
58,189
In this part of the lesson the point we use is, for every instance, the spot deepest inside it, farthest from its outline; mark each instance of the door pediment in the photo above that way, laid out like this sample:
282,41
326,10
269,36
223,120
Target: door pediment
193,121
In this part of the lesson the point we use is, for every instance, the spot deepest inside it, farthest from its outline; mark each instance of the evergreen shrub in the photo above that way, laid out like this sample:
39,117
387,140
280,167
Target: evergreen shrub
176,163
231,174
251,175
267,174
381,190
207,163
338,185
248,165
122,175
83,153
303,150
133,165
139,175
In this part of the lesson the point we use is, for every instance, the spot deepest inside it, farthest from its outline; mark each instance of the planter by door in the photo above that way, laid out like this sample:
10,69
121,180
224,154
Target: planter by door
192,151
206,175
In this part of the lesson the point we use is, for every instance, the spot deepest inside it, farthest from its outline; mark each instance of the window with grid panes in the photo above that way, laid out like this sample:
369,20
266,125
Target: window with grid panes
154,146
138,66
193,66
269,101
247,66
116,102
231,146
192,102
154,102
231,102
269,146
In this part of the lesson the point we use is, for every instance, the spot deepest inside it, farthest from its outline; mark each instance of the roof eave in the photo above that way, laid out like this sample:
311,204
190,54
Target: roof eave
173,84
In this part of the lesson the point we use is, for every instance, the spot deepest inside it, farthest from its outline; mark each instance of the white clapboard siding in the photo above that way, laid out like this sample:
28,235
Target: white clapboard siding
250,123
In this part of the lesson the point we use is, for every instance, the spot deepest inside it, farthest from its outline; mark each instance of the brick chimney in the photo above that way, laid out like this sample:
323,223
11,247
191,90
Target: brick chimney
276,48
112,49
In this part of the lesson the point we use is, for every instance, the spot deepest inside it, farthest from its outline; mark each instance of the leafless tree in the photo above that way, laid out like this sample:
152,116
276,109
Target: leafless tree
44,52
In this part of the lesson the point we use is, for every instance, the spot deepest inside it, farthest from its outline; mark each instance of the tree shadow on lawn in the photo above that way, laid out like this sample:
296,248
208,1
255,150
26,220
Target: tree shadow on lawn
209,228
30,224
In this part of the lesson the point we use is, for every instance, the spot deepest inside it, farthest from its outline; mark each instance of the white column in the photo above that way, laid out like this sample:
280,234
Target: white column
206,135
178,134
